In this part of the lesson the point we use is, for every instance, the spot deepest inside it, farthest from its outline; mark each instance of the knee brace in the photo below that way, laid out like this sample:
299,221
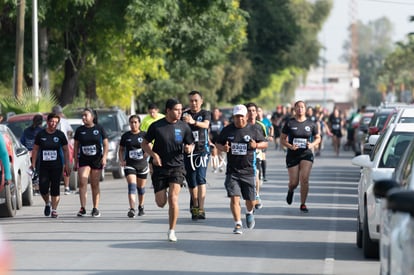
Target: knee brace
141,190
132,188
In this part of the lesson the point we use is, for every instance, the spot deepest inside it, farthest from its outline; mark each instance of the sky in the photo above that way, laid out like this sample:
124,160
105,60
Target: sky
334,31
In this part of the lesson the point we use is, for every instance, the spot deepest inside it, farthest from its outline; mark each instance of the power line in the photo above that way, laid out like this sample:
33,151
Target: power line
390,2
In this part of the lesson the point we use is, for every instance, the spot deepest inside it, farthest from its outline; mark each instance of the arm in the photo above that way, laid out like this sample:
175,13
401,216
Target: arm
315,142
35,152
75,155
121,155
284,141
156,160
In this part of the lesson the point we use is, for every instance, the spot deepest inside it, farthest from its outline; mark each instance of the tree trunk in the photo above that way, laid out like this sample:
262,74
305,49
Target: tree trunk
44,73
69,85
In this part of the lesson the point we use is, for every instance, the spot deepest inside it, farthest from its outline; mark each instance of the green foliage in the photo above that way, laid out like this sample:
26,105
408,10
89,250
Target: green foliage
28,103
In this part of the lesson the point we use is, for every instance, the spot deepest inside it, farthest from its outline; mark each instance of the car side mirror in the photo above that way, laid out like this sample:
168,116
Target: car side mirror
401,201
381,187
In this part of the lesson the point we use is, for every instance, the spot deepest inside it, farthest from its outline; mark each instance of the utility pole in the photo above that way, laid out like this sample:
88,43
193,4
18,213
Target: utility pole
35,47
18,80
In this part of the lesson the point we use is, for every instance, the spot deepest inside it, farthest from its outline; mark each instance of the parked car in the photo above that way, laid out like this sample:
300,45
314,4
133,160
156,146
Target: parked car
17,123
21,191
395,216
384,158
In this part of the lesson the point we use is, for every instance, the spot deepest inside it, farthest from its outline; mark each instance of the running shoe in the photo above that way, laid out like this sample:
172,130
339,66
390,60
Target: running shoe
171,236
194,213
82,212
47,210
67,191
250,221
303,208
141,211
289,197
95,213
201,214
258,204
238,229
131,213
54,214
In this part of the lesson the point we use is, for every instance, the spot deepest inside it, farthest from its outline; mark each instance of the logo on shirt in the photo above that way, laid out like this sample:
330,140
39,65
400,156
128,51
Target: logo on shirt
56,139
95,132
307,128
247,138
294,128
140,139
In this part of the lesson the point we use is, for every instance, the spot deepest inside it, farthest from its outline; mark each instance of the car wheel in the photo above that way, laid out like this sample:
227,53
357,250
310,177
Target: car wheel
28,194
19,196
8,209
119,173
359,233
370,248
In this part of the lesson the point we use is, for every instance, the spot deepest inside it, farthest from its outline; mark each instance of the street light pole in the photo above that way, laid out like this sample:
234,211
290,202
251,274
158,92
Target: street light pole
35,52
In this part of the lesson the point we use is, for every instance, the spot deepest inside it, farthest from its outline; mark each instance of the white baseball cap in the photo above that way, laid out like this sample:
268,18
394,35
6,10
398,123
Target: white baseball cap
240,110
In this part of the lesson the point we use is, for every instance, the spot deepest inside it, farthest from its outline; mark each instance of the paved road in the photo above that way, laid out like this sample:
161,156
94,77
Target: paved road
284,241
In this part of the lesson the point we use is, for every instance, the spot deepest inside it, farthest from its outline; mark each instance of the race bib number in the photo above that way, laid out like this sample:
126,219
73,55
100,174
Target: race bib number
239,149
49,155
195,136
136,154
89,150
300,142
336,126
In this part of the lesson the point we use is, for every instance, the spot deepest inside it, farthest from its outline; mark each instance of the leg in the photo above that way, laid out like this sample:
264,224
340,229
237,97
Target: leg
83,174
304,173
141,190
173,210
293,177
95,175
132,190
235,208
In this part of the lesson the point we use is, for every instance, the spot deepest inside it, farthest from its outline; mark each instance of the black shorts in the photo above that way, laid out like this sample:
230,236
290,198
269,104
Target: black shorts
293,159
162,177
94,163
49,180
140,173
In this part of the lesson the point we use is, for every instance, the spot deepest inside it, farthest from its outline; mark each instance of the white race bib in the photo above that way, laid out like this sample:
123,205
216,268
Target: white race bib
300,142
89,150
136,154
195,135
239,149
49,155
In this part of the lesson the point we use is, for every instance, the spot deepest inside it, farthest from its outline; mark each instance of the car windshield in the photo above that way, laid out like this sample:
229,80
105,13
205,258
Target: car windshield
394,150
108,122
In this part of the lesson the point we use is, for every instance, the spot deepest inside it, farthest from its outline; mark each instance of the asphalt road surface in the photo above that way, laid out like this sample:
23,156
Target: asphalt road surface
284,240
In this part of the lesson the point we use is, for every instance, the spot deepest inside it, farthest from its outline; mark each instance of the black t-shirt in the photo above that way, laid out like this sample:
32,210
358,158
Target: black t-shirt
51,148
215,128
335,123
168,141
90,141
300,133
200,134
241,157
134,155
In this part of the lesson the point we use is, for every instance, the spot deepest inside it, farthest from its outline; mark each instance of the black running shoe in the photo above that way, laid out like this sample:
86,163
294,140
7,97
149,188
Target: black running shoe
141,211
194,213
131,213
47,210
201,214
82,212
303,208
95,213
289,197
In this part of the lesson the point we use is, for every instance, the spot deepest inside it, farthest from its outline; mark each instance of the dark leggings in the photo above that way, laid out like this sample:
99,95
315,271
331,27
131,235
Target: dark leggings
50,178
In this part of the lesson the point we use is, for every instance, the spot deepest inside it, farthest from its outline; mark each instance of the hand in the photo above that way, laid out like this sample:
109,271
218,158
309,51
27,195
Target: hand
227,147
253,144
156,160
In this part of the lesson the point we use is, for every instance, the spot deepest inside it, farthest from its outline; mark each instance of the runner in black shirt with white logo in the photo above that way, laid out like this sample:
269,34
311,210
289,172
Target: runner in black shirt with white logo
90,152
299,136
172,138
241,140
51,150
134,161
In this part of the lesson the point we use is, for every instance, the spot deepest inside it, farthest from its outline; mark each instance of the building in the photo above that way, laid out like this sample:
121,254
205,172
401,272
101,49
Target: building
336,90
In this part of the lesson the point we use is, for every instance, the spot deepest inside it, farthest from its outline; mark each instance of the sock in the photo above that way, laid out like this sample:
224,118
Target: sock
238,223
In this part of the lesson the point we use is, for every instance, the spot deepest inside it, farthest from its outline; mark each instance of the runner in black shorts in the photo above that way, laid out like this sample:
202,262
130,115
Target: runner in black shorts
134,161
241,140
90,152
51,150
172,138
299,136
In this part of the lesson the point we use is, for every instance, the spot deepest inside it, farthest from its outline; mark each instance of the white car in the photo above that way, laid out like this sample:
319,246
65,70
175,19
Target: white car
397,226
383,159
